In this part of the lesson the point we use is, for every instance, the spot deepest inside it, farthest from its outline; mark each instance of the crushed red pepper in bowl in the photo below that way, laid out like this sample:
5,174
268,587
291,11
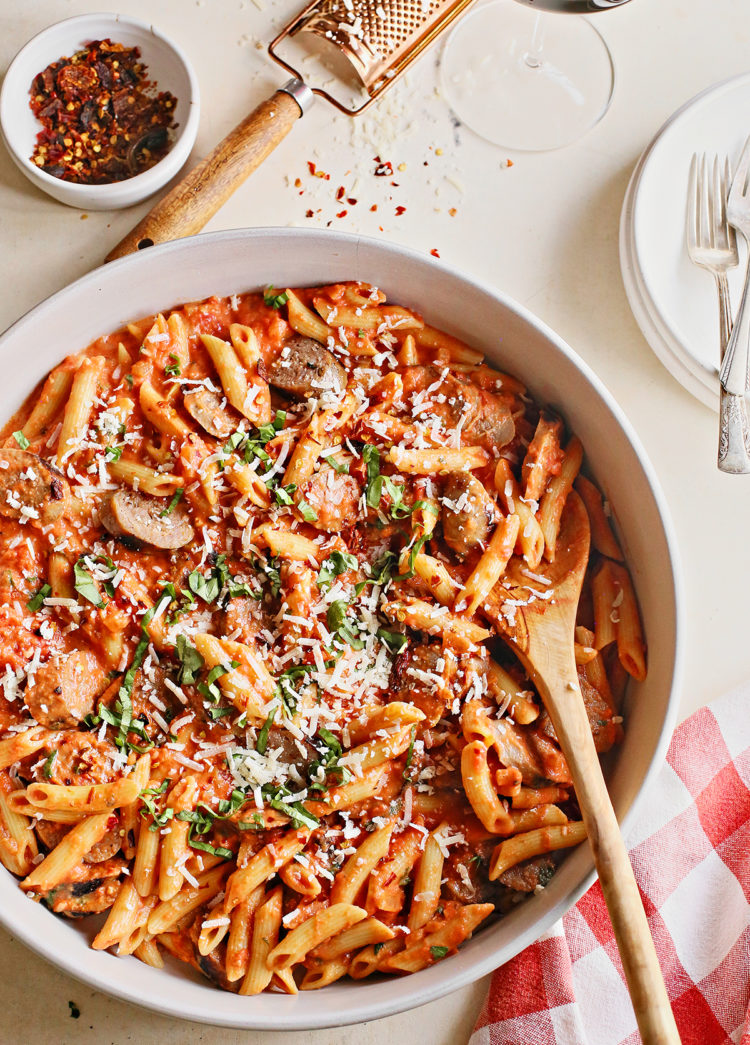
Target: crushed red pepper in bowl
102,119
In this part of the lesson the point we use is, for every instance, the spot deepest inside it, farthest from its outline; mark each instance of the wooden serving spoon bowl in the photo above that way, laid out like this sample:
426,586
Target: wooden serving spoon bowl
538,620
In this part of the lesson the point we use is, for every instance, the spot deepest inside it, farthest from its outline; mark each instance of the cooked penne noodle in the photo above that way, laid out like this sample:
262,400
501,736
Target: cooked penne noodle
477,781
305,322
324,973
67,853
265,936
490,567
534,843
161,414
55,392
145,479
438,462
425,616
554,497
322,925
631,648
530,539
240,931
427,882
602,537
359,866
174,843
450,936
79,406
369,931
21,745
148,952
165,915
18,846
604,594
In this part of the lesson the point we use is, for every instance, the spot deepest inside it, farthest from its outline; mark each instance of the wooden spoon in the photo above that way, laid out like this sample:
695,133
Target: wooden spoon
542,635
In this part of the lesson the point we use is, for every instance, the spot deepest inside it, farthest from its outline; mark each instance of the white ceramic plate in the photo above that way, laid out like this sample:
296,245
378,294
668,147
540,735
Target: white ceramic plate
674,301
226,263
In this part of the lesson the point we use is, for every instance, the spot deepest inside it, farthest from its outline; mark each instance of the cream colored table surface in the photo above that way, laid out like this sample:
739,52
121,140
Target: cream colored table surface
544,230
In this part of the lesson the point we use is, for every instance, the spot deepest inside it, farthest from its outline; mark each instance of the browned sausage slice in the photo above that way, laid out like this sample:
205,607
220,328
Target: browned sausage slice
304,368
128,513
206,407
63,690
30,487
468,514
334,499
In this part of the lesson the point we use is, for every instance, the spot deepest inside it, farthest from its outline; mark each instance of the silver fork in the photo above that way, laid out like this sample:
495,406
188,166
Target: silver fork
711,243
733,376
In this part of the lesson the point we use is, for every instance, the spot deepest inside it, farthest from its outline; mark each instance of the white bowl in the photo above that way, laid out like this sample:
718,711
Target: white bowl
168,66
231,262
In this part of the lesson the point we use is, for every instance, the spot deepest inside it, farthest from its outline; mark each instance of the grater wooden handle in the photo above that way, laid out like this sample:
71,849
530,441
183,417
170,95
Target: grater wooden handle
196,198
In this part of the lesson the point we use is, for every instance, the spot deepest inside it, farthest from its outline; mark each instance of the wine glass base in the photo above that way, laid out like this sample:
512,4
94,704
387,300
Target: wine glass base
526,80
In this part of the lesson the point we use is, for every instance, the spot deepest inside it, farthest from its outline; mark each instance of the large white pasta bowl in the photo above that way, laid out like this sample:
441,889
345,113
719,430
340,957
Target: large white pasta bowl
513,340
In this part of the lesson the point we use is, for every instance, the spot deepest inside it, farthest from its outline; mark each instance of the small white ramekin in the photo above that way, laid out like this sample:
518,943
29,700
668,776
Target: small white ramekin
167,65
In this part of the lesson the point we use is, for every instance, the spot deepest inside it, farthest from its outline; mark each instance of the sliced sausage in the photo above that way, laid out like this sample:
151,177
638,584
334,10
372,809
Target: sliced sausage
64,689
529,875
423,678
208,409
127,513
484,418
305,368
334,499
468,513
31,488
281,739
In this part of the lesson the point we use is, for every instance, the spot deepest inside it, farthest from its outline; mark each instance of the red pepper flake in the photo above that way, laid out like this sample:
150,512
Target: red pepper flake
400,211
351,202
374,206
434,252
101,119
311,167
340,192
383,169
297,183
509,163
342,213
453,212
309,213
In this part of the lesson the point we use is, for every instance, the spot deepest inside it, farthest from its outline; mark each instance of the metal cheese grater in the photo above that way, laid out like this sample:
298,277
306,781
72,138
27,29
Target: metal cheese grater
376,40
379,38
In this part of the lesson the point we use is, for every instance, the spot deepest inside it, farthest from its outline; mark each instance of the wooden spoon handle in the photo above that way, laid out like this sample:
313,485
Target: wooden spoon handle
196,198
644,978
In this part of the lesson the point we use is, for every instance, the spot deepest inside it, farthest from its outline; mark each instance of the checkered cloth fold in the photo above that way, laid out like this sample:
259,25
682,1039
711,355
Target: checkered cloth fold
690,849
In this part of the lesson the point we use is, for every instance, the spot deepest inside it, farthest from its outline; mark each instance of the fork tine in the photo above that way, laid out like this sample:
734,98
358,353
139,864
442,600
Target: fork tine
692,205
739,181
704,225
720,229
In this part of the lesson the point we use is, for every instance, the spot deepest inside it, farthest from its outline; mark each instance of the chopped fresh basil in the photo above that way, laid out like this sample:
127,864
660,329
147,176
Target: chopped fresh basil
37,599
173,503
438,952
275,300
21,439
113,453
394,640
173,368
336,564
48,762
262,742
374,491
306,510
191,662
86,586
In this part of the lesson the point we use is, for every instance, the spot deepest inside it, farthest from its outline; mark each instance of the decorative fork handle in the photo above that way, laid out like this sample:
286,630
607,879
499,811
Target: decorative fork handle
734,368
734,430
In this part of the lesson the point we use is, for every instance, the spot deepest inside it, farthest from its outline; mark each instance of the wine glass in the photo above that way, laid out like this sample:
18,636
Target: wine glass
525,79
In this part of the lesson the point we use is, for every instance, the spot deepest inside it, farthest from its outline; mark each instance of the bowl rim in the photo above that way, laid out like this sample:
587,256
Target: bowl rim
147,181
436,987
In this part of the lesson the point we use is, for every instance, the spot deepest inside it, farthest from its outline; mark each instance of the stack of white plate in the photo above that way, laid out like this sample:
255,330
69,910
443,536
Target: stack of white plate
675,302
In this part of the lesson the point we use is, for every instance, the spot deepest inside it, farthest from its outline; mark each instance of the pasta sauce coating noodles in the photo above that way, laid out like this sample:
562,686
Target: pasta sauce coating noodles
255,704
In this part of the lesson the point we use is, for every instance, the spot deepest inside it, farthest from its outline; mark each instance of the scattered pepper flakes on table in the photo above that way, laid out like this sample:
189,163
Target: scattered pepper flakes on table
75,1012
102,120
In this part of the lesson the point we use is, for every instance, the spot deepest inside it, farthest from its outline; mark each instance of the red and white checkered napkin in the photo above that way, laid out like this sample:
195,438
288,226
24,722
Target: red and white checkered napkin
690,850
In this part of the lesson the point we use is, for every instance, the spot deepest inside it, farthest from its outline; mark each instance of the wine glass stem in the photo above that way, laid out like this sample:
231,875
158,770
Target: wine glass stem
533,57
